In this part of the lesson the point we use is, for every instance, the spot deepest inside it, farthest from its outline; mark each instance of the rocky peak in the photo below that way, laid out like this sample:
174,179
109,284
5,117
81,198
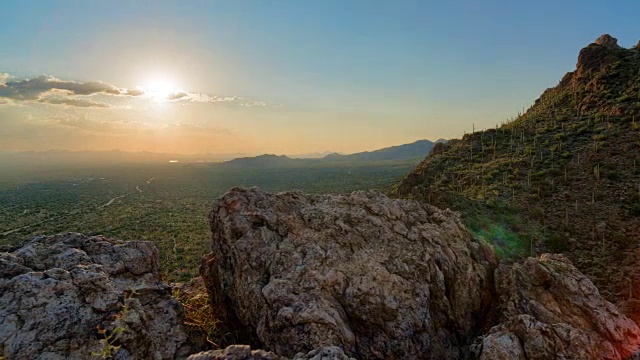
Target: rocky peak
607,41
596,57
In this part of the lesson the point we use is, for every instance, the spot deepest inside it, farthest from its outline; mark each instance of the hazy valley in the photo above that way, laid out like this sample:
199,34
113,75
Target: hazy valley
168,203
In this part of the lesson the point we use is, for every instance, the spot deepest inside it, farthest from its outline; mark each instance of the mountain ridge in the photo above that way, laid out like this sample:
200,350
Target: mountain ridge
563,176
405,152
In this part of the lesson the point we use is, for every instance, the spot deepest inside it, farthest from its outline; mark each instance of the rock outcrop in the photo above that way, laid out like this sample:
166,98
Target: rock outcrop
607,41
244,352
549,310
61,295
378,277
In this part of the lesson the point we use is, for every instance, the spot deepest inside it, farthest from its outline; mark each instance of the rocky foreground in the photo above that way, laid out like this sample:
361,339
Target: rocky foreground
61,296
310,277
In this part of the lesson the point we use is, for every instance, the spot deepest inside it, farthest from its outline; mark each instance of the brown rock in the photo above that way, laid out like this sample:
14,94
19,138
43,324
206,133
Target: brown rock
56,291
607,41
235,352
550,310
378,277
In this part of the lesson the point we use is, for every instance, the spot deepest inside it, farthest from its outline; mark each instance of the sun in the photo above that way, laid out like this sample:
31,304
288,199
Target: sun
160,87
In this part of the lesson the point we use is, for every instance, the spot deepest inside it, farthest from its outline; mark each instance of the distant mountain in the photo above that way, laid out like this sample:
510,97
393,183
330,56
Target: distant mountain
266,160
418,149
407,152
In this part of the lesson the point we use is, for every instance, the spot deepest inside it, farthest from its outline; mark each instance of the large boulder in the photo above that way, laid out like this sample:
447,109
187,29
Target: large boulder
244,352
549,310
378,277
61,296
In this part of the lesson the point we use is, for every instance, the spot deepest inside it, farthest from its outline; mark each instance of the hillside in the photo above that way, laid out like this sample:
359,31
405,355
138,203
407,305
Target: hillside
564,176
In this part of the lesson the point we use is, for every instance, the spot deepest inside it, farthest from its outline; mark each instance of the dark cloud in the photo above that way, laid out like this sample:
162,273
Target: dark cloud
32,89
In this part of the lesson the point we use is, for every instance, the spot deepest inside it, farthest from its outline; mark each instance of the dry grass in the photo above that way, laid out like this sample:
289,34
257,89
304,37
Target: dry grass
200,316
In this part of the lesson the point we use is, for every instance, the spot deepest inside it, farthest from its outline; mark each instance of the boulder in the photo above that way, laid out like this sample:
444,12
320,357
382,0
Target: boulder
61,296
244,352
549,310
377,277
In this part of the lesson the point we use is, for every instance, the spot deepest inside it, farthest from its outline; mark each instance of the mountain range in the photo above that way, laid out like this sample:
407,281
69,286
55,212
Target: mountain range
414,151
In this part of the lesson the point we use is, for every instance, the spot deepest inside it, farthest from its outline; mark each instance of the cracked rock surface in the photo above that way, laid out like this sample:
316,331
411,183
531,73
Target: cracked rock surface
377,277
550,310
56,291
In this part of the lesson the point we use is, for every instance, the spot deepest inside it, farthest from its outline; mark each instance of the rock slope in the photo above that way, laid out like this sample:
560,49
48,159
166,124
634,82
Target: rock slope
58,293
378,277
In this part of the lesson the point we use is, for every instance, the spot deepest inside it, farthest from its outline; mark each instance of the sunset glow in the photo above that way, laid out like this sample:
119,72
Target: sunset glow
160,88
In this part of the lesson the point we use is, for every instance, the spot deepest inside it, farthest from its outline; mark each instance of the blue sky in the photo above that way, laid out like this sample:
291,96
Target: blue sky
349,75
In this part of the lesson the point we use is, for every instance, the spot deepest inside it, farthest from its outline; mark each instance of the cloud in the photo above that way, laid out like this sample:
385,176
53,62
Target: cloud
178,95
77,102
255,103
202,98
213,99
33,89
47,89
134,92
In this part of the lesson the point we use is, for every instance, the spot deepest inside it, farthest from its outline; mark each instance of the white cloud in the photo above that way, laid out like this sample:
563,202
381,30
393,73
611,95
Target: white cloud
32,89
51,90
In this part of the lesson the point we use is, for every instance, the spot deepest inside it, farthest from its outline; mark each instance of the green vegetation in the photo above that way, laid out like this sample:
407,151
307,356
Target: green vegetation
167,204
111,337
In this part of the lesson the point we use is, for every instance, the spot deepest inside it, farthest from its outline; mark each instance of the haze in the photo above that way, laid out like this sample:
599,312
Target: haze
280,77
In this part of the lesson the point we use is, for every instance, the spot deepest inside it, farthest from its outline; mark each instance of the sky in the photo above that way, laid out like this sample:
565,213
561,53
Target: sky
284,77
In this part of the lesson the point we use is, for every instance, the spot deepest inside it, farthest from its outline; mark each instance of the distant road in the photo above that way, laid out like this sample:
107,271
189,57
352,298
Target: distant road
121,196
114,199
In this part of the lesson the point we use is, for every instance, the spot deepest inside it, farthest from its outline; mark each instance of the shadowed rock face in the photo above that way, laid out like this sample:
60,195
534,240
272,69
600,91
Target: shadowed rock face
378,277
551,310
55,291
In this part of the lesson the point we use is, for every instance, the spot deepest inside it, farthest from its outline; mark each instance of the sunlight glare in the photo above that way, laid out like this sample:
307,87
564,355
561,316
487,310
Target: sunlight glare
159,88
